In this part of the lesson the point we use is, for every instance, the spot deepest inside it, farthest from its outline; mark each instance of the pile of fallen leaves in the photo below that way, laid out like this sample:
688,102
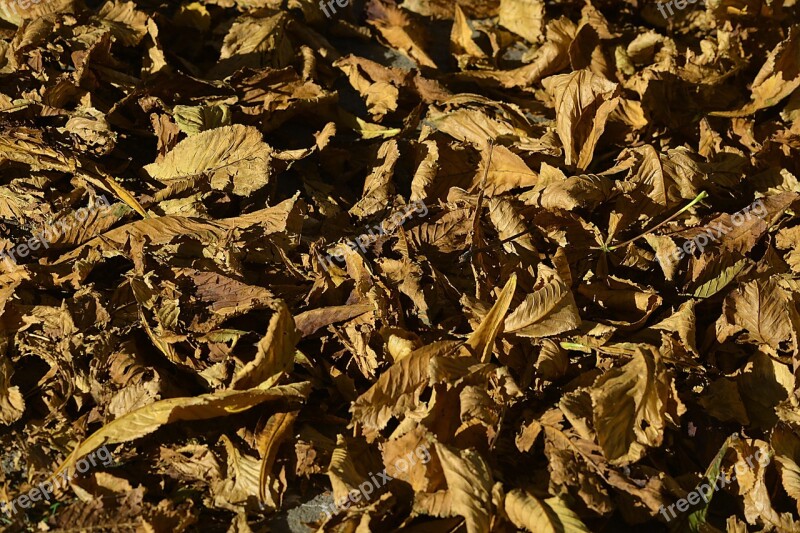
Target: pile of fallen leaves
543,323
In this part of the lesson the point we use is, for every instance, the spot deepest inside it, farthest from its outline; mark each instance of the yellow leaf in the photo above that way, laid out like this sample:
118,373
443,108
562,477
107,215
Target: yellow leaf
12,404
764,311
277,429
523,17
542,516
147,419
632,405
583,103
787,453
482,339
397,390
234,157
195,119
469,482
549,311
776,80
275,352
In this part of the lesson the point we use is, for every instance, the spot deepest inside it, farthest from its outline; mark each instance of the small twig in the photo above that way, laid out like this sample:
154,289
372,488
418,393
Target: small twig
479,203
697,199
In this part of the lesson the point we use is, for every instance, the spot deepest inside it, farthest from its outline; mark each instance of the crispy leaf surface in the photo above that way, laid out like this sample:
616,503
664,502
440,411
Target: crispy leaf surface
424,265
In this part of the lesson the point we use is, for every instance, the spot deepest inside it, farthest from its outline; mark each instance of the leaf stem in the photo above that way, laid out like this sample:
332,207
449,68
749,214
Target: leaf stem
700,197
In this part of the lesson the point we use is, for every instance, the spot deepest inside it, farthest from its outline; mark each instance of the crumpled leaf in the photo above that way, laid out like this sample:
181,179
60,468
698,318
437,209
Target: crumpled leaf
777,79
151,417
761,309
632,407
583,103
194,119
482,339
546,312
416,264
235,158
12,404
398,389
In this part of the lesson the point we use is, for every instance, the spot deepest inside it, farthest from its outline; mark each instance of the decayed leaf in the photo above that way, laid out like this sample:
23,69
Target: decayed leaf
19,146
597,287
507,171
546,312
752,459
723,401
523,17
553,360
125,22
787,454
194,119
633,405
559,192
378,185
761,309
151,417
482,339
752,395
310,321
509,224
469,485
343,472
684,323
777,79
234,157
17,12
254,42
541,516
275,352
398,390
277,429
241,482
12,404
583,103
462,44
381,95
395,26
697,519
720,278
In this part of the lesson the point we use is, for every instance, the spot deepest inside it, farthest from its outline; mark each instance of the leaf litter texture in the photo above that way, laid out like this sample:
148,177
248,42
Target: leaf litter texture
553,244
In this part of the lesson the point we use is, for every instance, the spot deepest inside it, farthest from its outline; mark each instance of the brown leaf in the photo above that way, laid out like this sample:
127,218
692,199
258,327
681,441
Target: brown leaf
583,103
632,407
